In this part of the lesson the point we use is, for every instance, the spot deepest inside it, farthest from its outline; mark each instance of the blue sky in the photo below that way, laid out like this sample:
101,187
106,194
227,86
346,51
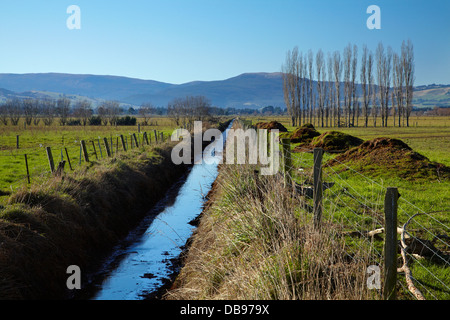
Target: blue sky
179,41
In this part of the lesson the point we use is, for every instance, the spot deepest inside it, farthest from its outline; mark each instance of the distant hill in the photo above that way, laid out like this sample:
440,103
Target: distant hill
103,87
248,90
434,95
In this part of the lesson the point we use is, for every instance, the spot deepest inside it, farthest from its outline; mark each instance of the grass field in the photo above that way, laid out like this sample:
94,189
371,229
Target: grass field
256,240
354,203
429,136
33,141
356,200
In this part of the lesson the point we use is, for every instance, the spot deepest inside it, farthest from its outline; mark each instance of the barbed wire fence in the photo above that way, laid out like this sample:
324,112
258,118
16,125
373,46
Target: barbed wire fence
372,217
420,259
41,160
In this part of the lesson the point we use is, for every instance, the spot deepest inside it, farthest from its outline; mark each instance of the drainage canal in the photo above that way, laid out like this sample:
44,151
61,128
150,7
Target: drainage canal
143,262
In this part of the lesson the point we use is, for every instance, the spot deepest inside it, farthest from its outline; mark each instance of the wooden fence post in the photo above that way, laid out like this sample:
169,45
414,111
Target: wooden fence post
17,142
28,171
286,144
156,136
50,159
95,151
135,140
108,151
85,153
318,187
145,138
100,148
390,243
162,137
68,159
123,142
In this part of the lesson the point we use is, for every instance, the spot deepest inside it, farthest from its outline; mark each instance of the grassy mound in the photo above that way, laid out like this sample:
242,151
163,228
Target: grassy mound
331,141
271,125
304,134
382,155
336,141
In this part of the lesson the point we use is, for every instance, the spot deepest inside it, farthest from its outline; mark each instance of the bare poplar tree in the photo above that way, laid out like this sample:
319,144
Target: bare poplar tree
383,77
320,71
398,81
354,104
408,69
326,97
305,91
387,83
372,93
364,88
337,71
300,87
310,85
380,57
290,84
331,99
347,83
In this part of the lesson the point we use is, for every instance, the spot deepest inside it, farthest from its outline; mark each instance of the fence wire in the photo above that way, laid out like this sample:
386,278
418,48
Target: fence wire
361,213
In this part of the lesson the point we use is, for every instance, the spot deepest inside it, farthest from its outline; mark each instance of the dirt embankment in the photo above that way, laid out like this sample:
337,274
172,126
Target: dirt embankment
75,221
271,126
392,155
309,138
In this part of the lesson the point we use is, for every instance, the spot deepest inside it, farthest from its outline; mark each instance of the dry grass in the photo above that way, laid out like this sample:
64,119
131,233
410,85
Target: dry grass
255,242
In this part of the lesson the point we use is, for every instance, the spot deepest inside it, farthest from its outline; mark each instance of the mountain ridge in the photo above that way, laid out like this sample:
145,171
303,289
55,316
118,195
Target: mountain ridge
233,92
247,90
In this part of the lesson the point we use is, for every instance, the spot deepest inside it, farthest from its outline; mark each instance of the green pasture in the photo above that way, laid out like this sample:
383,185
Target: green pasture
33,141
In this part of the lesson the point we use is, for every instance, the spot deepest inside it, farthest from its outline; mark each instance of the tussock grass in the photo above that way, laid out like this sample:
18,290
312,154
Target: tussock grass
255,242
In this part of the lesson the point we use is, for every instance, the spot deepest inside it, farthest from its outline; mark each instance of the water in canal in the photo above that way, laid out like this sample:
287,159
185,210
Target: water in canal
141,263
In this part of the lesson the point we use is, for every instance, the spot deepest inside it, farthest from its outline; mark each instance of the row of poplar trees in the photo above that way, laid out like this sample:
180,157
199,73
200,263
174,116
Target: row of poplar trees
334,98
